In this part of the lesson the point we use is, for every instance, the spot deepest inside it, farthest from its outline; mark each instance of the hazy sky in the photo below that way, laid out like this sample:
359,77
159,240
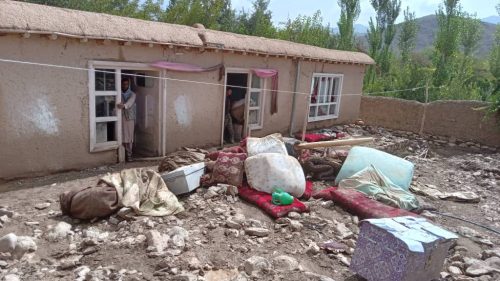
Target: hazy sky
282,9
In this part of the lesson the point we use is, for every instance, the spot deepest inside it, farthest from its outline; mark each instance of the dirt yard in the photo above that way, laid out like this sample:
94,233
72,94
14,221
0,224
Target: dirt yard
208,241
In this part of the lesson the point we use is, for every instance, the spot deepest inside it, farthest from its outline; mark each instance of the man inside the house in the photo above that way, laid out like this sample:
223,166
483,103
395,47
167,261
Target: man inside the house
128,117
228,119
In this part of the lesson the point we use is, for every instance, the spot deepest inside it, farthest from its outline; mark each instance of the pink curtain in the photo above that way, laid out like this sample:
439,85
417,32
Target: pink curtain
184,67
273,74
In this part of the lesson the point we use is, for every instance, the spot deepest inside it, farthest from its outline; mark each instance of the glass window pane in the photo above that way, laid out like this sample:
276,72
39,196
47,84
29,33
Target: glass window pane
312,111
315,89
105,131
256,82
253,117
105,80
333,109
322,90
254,99
323,110
105,106
334,96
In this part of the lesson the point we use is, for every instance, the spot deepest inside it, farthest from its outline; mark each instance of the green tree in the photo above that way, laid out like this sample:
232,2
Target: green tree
380,35
407,36
349,13
447,41
259,22
307,30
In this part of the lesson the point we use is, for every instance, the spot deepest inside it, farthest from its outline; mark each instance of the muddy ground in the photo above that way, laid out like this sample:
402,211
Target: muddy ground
217,249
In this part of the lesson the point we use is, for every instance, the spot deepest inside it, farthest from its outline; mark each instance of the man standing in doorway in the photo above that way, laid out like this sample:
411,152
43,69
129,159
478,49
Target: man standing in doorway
128,117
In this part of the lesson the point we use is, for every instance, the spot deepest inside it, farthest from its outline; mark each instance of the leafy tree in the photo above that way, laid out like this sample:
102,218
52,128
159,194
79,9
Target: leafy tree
349,13
407,36
447,40
308,30
494,67
259,22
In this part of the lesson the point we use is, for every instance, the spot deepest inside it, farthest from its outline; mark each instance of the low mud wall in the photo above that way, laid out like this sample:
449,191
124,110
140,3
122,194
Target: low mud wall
455,119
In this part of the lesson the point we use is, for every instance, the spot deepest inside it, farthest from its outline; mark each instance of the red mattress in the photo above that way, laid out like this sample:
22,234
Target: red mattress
314,137
263,201
359,204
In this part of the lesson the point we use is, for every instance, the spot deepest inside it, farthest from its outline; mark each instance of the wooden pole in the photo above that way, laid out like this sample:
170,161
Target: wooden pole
306,118
422,122
333,143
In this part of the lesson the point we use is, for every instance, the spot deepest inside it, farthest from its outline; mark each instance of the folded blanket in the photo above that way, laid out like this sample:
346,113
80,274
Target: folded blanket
358,204
263,201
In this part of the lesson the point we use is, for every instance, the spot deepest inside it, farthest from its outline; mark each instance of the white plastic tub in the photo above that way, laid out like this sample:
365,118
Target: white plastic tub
184,179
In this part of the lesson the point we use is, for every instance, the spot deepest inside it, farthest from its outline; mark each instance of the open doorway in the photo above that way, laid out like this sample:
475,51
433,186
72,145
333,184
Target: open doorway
234,112
146,130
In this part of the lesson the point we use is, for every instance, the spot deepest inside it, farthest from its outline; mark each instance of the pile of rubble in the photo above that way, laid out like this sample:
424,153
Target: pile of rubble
218,237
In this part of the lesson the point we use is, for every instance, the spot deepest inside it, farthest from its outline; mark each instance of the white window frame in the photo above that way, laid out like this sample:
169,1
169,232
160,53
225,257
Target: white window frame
93,119
118,66
262,98
263,90
331,92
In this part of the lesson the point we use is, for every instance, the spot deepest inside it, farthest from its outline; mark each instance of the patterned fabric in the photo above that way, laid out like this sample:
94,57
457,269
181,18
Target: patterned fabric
233,149
263,201
381,255
229,168
358,204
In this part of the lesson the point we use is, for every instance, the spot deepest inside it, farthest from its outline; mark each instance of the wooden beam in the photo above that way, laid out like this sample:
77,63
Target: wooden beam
128,43
332,143
170,46
151,45
53,36
84,40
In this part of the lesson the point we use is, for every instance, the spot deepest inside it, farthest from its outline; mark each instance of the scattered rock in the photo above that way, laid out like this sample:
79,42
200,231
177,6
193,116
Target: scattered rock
3,264
257,231
60,231
24,244
296,225
343,231
42,206
231,223
312,249
157,242
8,243
256,266
285,263
185,277
294,215
454,270
178,236
11,277
487,266
5,212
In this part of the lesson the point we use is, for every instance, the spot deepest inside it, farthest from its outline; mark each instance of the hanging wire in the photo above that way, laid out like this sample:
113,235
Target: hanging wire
190,81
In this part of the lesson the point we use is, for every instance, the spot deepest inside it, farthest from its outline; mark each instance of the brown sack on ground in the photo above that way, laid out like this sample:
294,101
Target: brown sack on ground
89,202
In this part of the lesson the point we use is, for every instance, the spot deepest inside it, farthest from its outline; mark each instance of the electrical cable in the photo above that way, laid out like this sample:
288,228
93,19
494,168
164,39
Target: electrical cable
464,220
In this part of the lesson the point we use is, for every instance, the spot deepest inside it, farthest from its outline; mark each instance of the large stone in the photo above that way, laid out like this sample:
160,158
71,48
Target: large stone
8,243
6,212
157,242
487,266
285,263
178,236
41,206
490,253
312,249
24,244
11,277
296,225
257,266
257,231
343,231
454,270
60,231
232,223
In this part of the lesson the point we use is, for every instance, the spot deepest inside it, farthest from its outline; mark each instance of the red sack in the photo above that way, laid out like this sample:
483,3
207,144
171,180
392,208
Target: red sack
263,201
314,137
308,192
360,205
